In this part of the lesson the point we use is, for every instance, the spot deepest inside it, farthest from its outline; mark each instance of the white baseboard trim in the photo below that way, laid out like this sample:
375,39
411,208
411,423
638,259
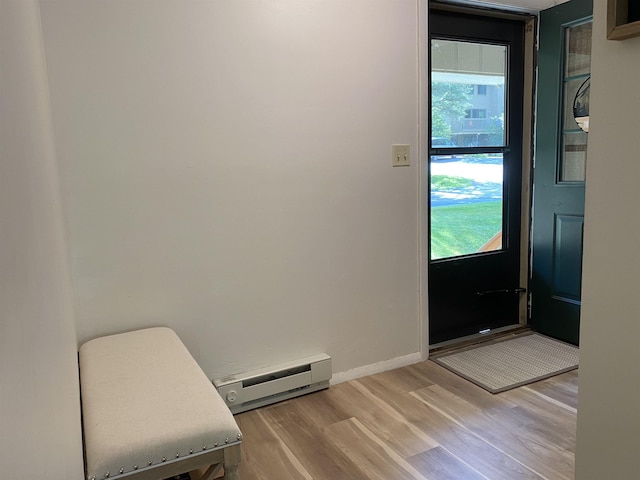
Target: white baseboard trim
377,367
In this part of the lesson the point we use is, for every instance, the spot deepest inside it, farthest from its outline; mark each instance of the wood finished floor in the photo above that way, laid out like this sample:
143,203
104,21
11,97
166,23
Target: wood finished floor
416,422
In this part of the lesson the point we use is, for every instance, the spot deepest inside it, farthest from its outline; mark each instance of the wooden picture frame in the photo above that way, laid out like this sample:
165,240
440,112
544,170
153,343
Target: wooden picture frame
623,19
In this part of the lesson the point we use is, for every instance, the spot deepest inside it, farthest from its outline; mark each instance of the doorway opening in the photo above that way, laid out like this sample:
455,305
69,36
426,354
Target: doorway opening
479,155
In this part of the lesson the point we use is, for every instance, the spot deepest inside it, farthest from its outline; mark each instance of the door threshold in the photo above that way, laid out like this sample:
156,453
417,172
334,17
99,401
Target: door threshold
438,348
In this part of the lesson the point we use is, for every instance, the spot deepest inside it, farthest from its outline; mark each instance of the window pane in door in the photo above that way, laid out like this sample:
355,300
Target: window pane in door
573,156
467,94
578,55
466,204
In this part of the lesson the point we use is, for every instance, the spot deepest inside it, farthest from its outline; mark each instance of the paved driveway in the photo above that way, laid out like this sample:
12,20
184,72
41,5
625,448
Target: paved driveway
486,175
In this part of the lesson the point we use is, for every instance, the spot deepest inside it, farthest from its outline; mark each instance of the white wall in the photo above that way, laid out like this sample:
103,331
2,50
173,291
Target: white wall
39,397
608,420
226,171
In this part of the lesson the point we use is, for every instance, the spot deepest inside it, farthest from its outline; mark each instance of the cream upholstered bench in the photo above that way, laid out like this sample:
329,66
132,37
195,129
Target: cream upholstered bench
150,412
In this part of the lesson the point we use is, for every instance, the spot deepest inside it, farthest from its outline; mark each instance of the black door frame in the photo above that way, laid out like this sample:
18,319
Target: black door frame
519,244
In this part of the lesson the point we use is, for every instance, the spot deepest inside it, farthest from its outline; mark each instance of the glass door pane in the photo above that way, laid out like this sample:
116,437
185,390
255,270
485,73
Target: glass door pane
468,101
466,204
467,94
577,59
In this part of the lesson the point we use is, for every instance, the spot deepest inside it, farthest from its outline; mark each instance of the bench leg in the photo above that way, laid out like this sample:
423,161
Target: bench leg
232,473
231,461
211,472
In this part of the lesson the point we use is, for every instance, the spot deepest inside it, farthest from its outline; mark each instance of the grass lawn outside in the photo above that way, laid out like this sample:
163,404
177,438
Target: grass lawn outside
463,229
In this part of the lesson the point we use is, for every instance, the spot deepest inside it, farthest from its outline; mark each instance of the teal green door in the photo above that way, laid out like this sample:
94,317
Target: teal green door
559,173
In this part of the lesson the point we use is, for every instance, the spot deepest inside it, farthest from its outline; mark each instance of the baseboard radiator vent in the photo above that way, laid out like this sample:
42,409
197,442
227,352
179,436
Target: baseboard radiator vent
280,382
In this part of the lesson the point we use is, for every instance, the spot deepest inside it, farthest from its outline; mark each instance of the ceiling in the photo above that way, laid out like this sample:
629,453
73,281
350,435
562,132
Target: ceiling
520,5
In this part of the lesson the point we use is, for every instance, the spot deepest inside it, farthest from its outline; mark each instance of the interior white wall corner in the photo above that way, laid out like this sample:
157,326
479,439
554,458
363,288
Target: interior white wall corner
39,392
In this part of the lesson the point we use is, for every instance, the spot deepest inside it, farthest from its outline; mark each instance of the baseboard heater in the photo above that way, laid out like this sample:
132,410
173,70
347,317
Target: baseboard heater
273,384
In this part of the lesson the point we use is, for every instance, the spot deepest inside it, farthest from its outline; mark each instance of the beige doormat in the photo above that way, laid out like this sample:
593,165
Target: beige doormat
507,364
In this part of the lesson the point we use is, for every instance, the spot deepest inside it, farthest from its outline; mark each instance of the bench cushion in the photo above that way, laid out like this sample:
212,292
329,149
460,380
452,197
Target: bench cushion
146,402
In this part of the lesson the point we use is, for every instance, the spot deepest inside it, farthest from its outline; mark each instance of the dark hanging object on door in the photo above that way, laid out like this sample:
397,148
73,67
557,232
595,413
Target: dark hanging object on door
581,105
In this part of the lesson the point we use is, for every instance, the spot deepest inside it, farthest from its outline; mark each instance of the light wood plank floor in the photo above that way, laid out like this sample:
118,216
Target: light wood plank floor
416,422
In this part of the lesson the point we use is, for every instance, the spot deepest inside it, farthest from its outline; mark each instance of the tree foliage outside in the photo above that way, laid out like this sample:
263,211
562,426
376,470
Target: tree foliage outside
444,183
449,103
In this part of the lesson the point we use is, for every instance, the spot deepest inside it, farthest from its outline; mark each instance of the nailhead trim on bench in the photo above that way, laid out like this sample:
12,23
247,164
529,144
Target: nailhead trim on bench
150,463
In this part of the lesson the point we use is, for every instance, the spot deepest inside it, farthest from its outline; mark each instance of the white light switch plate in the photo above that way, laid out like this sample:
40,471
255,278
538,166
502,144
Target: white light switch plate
401,155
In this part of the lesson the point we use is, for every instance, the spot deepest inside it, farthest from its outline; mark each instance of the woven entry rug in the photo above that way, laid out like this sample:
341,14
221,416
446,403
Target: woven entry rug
507,364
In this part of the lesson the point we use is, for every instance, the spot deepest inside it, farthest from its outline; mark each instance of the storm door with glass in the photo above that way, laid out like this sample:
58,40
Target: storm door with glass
475,173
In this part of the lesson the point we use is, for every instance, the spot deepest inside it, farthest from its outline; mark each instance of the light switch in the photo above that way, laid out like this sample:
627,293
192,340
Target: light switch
401,155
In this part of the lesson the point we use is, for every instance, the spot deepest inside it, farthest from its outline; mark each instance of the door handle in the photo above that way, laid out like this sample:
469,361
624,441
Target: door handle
517,291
